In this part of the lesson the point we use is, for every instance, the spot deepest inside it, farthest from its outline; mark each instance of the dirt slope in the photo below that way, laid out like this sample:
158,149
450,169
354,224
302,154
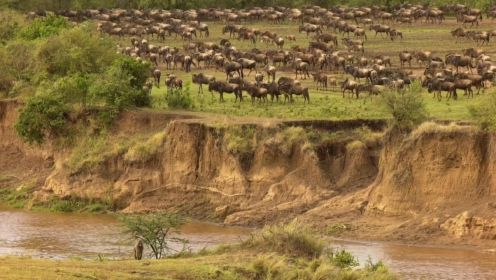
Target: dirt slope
432,186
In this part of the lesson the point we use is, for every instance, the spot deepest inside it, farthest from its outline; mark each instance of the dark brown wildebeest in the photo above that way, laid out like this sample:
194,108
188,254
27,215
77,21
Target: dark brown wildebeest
271,72
405,57
272,90
233,67
321,80
302,68
156,74
172,82
223,87
299,90
259,78
469,19
202,79
256,92
349,85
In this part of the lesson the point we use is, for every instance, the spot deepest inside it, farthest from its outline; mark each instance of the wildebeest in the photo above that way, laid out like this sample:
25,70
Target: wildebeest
202,79
223,87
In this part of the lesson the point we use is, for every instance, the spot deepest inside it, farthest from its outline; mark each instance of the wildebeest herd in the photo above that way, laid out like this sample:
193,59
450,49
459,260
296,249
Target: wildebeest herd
336,49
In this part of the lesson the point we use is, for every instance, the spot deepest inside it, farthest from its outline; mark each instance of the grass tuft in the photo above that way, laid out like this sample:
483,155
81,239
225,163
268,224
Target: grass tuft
293,239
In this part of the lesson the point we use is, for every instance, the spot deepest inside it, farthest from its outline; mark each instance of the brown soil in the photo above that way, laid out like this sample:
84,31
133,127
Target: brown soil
427,187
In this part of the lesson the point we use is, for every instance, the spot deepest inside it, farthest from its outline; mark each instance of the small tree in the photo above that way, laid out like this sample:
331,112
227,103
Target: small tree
406,107
155,231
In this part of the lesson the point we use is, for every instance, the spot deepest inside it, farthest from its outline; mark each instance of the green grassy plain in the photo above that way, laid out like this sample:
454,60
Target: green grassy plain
330,104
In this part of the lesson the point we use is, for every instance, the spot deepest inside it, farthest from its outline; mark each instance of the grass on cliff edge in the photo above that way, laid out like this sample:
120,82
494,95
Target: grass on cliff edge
264,256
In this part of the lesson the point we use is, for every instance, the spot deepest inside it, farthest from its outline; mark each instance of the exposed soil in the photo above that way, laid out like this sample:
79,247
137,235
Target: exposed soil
426,187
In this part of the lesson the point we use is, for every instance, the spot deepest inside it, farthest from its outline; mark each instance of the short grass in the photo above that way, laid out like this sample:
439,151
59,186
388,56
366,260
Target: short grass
330,104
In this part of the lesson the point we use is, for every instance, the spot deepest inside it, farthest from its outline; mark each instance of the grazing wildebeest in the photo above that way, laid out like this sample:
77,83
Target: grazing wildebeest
202,79
321,80
405,57
272,90
223,87
302,68
348,85
233,67
156,73
271,72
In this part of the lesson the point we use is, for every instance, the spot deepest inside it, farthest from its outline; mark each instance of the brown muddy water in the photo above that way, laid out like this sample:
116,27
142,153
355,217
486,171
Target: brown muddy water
58,236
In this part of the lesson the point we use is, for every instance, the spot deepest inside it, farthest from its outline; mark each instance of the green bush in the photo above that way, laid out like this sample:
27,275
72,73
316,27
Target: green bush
42,117
342,259
44,27
76,50
406,107
179,99
72,89
485,112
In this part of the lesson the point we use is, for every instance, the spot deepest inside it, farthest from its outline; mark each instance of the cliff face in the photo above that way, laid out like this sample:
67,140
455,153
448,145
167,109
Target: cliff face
195,171
437,181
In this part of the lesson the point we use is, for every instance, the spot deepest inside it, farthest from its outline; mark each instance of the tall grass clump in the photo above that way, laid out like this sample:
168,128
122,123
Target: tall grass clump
240,139
144,150
294,239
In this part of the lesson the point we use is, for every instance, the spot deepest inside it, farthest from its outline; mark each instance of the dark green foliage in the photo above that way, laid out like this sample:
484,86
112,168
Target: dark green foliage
44,27
43,116
155,231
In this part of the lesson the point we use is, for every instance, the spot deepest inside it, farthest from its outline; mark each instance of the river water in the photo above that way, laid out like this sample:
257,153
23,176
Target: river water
59,236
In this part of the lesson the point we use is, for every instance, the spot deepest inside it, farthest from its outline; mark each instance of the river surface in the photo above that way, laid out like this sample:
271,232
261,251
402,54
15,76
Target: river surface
58,236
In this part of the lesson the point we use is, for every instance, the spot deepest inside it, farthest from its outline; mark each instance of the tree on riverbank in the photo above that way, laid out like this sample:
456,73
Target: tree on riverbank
157,232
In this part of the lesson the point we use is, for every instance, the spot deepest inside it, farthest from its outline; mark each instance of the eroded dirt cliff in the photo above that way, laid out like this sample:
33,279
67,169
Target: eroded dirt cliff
433,185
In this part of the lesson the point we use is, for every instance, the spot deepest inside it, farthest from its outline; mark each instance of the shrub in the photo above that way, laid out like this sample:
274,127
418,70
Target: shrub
113,92
138,70
342,259
43,116
44,27
76,50
406,107
10,23
179,99
485,112
72,88
293,239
